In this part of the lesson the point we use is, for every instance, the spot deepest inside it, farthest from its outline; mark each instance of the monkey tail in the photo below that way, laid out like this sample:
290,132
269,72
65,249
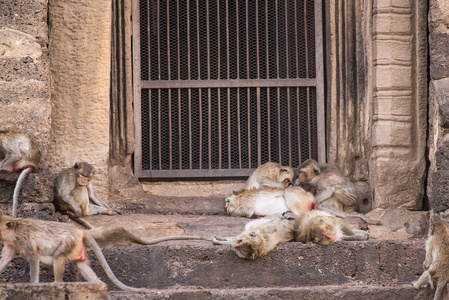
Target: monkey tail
90,241
15,197
171,238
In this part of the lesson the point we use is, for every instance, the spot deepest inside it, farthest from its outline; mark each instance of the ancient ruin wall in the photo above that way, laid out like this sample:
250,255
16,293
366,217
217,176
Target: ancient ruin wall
438,141
80,42
25,98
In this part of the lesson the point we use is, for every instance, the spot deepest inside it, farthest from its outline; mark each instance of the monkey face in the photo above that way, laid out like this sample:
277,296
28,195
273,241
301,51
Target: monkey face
229,204
286,176
83,179
321,232
246,245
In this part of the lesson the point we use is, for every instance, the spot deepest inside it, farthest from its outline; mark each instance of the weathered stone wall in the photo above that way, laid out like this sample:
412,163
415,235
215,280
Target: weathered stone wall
80,43
25,98
438,141
398,95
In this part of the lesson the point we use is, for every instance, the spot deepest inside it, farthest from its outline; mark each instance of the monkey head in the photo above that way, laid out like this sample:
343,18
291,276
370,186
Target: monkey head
308,170
248,245
84,172
7,224
438,228
230,205
322,232
286,175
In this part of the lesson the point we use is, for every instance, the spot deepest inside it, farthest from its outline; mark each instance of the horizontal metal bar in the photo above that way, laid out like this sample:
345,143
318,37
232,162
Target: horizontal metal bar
241,83
194,173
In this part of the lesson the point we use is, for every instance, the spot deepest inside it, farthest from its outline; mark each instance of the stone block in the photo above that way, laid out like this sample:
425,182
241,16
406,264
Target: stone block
439,62
54,291
388,50
439,95
392,133
392,3
438,14
392,24
392,77
392,105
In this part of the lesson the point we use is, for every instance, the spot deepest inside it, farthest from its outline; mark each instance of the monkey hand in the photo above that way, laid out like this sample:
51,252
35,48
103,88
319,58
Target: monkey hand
112,212
217,240
77,211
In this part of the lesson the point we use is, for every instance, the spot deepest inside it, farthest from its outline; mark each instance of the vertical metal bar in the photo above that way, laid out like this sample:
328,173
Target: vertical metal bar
277,42
227,42
237,28
286,39
279,123
239,128
269,124
198,39
247,40
309,125
289,127
219,127
200,105
320,82
158,40
159,127
249,126
137,87
220,139
190,128
298,122
287,64
218,41
259,138
257,41
209,127
296,43
208,39
229,127
306,46
188,41
150,112
267,48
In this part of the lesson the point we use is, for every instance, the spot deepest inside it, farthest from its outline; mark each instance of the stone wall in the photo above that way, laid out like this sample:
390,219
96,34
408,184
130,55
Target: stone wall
438,141
25,98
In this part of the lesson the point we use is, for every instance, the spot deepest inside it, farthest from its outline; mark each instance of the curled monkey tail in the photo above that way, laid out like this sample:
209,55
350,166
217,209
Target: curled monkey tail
15,197
90,241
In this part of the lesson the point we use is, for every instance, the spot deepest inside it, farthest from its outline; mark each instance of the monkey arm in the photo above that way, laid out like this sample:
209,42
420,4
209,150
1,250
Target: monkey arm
265,181
94,196
358,235
342,214
222,241
243,212
7,255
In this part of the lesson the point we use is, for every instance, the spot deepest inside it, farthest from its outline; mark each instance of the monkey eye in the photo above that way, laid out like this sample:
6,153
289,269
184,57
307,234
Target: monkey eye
252,234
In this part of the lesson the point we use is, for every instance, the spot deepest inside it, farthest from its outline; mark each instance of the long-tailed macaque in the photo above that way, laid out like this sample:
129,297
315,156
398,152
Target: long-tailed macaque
54,244
118,236
436,264
323,228
333,191
18,152
259,237
271,174
269,201
73,190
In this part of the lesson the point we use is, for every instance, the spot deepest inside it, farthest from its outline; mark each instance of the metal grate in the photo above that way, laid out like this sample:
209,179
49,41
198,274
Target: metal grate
224,86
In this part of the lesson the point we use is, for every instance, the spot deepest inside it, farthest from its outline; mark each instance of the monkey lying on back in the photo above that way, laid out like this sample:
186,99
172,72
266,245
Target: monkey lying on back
52,243
18,152
269,201
436,264
259,237
323,228
271,174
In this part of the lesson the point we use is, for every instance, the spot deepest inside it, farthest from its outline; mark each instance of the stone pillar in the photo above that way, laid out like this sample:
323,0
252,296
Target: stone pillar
398,94
80,47
438,142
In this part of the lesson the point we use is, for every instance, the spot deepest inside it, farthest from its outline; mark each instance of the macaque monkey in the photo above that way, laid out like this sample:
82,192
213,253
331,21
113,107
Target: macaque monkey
323,228
73,190
436,264
54,244
333,191
269,201
271,174
118,236
18,152
259,237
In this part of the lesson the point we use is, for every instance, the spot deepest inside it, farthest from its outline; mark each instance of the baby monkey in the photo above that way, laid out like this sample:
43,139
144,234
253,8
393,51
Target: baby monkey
73,190
18,152
436,264
54,244
271,174
259,237
323,228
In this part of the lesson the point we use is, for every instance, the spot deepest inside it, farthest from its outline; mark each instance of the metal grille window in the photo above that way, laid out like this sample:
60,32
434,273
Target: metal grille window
223,86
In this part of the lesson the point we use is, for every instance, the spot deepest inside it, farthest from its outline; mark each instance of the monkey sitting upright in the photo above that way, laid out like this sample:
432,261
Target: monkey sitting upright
259,237
18,152
73,190
269,201
322,228
271,174
54,244
333,191
436,264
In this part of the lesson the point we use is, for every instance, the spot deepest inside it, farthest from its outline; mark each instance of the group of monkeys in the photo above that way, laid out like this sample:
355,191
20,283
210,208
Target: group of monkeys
318,199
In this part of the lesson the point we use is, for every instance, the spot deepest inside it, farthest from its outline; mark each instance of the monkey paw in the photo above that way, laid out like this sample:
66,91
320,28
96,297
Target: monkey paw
416,286
217,240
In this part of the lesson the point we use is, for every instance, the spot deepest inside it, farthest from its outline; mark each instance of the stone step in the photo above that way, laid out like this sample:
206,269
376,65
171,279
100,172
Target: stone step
54,291
365,292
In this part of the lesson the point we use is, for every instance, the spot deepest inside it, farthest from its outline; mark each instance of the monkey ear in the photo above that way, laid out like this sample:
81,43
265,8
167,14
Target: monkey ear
76,166
283,171
317,170
11,225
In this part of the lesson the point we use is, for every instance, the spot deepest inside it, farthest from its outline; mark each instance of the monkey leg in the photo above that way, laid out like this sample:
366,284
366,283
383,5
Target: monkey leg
423,281
34,270
87,272
358,235
58,268
7,255
99,210
94,196
441,286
